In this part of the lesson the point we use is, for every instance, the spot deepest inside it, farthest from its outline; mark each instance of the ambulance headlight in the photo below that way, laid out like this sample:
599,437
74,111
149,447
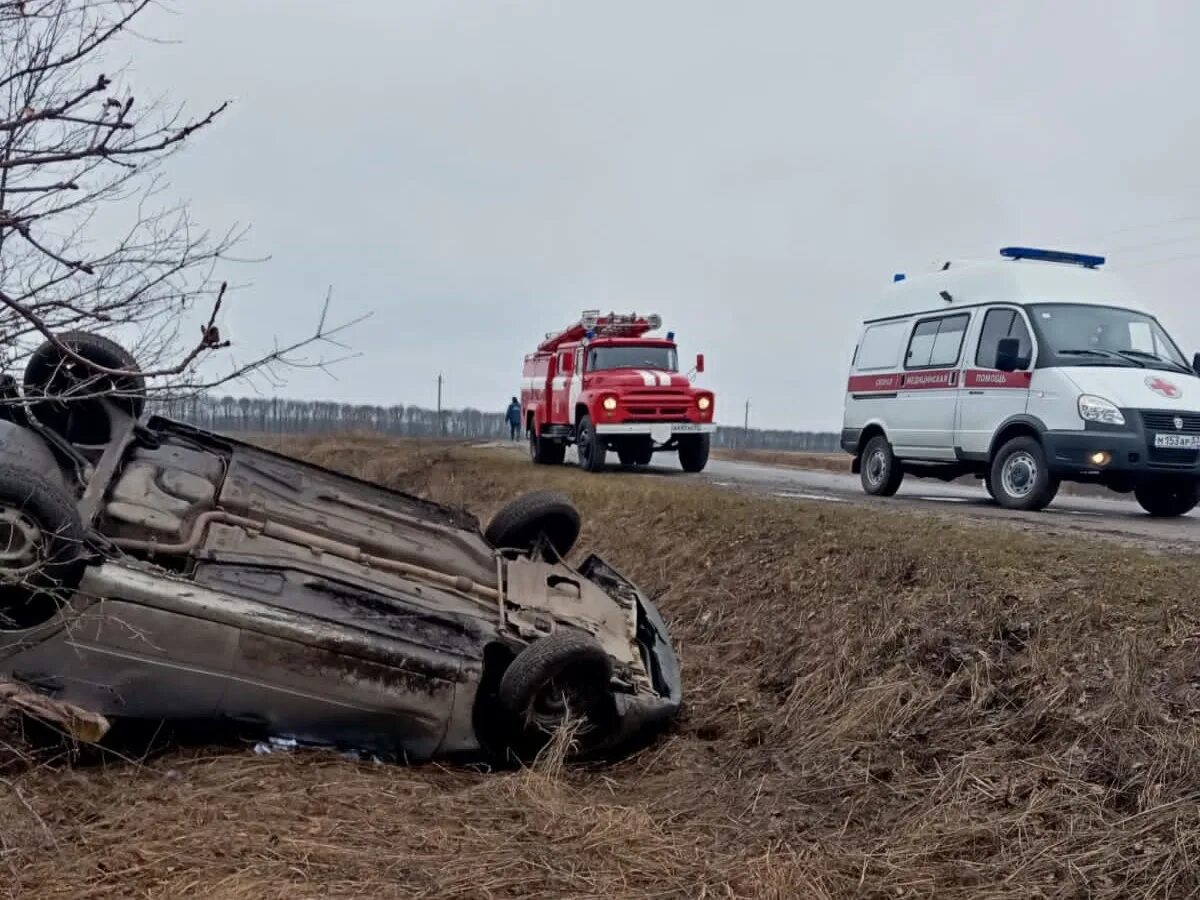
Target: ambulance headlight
1097,409
610,403
704,403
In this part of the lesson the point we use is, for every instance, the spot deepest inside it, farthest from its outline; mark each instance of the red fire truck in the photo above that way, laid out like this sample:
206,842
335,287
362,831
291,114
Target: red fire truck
604,383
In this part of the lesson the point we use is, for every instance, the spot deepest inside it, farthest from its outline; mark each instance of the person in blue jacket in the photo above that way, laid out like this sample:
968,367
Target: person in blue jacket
513,417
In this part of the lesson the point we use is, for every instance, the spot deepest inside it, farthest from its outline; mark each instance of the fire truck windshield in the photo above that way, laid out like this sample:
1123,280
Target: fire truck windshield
633,356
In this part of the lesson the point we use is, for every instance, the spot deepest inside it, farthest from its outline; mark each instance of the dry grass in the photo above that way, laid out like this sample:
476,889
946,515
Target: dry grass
878,705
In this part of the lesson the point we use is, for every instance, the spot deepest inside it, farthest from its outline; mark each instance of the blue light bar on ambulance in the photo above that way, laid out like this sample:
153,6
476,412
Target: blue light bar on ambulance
1058,256
899,276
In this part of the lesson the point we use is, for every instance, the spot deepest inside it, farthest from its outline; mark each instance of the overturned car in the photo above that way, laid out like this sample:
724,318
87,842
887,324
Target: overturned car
152,571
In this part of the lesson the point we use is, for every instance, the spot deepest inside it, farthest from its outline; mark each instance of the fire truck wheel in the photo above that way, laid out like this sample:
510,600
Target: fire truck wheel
635,456
881,473
693,452
591,449
540,520
1021,477
545,452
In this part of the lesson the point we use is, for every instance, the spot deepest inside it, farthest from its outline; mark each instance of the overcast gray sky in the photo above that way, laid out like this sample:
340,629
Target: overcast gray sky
477,173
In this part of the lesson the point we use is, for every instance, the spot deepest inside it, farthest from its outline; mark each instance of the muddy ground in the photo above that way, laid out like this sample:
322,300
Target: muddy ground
878,705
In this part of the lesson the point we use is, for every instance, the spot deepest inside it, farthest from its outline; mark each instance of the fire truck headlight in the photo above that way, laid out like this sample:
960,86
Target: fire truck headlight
610,403
704,403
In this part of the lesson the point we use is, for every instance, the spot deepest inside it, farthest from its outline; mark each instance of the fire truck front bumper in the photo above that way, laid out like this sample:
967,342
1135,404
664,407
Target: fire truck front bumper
659,432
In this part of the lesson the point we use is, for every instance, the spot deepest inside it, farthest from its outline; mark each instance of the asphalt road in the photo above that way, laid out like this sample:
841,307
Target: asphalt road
1118,518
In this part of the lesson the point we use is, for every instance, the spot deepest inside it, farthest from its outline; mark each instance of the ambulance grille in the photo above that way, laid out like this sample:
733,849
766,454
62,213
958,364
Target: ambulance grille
1165,421
1172,457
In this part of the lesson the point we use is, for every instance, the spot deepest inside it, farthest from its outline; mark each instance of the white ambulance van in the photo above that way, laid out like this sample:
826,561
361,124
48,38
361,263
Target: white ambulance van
1026,371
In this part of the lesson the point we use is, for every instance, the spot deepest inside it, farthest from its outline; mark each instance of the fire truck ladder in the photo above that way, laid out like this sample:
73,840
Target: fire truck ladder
592,324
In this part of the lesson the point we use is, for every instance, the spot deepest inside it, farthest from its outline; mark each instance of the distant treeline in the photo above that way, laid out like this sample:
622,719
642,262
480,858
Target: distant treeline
276,415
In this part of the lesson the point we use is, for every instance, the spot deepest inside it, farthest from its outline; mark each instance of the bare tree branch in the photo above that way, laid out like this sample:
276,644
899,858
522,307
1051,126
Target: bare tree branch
87,239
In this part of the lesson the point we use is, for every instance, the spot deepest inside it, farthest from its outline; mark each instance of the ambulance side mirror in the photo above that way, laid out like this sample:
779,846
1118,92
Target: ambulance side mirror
1196,363
1006,354
700,362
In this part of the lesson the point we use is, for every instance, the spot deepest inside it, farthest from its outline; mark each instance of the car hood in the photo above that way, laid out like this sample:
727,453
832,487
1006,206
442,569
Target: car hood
641,378
1136,388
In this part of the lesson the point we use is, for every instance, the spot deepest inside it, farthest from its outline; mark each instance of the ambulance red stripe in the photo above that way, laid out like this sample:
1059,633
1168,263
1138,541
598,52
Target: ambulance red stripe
934,379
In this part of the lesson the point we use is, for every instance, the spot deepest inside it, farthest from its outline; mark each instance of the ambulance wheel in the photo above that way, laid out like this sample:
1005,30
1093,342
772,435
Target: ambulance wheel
1167,499
591,449
1020,476
693,452
545,452
881,472
987,486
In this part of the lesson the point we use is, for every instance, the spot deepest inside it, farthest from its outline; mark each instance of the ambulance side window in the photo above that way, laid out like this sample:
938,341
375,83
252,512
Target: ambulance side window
937,343
997,324
880,347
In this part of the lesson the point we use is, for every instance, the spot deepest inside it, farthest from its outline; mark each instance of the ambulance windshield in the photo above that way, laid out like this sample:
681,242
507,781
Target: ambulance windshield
1077,334
632,356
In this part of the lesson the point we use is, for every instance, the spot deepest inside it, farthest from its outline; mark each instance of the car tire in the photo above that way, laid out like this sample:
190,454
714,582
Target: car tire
880,473
693,452
540,521
1168,499
987,486
545,452
1021,477
565,673
43,539
635,456
592,451
51,375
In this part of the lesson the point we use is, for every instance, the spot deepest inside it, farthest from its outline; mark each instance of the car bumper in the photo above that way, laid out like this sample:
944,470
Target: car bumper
642,714
1131,454
655,429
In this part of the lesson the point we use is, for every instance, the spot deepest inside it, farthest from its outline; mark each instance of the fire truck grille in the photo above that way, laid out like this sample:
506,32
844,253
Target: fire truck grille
657,409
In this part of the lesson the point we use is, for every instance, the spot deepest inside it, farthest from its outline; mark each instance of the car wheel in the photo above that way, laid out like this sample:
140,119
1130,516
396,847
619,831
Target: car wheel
1020,476
1167,499
880,473
541,521
591,449
558,679
693,452
68,389
41,539
545,452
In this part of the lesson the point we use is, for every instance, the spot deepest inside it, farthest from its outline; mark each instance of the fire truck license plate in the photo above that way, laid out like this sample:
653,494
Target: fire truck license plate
688,426
1178,441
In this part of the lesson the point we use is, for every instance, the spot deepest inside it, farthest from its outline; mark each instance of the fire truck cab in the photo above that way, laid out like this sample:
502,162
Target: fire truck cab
604,383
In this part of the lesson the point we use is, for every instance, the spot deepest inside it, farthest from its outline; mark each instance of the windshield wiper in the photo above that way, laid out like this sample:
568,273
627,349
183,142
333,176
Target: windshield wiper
1106,354
1142,354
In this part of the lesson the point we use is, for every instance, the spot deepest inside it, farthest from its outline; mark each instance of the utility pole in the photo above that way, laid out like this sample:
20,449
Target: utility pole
439,405
746,427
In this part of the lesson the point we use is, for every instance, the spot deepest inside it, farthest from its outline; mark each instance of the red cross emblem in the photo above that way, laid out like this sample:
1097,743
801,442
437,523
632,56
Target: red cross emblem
1161,386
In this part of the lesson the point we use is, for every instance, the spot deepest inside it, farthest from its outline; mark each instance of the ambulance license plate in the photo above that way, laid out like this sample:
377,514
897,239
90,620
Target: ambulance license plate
1177,441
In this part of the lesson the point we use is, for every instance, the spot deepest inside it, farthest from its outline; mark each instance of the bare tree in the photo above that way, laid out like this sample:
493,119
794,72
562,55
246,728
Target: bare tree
88,239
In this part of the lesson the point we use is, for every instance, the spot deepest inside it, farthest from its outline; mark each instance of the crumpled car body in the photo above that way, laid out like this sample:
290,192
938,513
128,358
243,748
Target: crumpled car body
222,583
